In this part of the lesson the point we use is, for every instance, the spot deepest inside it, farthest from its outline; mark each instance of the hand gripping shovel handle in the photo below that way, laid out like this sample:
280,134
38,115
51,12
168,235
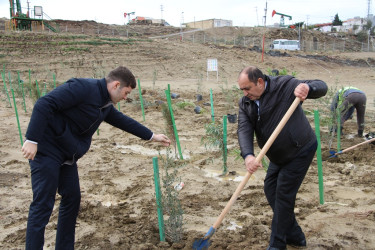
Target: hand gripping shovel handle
264,150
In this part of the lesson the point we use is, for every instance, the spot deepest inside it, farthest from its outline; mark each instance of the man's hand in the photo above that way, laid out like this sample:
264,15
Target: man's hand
251,165
301,91
29,150
162,138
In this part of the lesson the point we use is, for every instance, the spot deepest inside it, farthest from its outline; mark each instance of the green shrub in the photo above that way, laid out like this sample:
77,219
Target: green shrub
214,139
170,200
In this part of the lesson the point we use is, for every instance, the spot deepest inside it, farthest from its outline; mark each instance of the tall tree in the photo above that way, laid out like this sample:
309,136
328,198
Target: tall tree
368,25
337,21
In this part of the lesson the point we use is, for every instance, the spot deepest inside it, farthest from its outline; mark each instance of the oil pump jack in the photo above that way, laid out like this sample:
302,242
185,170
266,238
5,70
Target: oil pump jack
281,17
19,20
22,21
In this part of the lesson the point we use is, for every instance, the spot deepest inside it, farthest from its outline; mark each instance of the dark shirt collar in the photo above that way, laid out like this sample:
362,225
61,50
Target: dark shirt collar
104,92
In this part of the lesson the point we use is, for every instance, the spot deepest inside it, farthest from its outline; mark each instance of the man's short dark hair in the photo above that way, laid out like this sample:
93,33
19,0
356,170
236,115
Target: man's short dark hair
253,74
123,75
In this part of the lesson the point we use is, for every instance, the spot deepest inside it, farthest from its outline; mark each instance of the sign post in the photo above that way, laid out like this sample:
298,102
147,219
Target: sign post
212,66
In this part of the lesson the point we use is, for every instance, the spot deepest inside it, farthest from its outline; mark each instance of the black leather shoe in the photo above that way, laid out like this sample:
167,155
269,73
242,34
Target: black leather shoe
297,244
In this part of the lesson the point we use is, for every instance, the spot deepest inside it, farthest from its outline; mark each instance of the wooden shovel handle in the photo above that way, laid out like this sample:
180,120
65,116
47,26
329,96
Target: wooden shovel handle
264,150
353,147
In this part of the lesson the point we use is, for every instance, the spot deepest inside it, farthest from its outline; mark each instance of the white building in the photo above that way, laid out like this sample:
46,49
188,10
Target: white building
352,25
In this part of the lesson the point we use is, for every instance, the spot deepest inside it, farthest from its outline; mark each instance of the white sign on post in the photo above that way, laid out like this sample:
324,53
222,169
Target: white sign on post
212,66
38,11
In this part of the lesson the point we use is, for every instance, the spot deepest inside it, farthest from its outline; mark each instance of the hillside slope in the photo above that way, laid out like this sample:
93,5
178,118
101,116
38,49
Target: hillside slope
118,209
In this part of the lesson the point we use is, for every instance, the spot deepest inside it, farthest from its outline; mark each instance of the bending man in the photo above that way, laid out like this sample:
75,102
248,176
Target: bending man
59,134
346,100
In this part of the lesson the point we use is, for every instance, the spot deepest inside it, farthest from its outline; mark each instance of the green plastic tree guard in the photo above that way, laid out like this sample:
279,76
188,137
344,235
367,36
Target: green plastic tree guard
212,106
18,121
158,199
225,155
37,88
319,157
30,83
54,81
44,92
168,94
338,131
141,99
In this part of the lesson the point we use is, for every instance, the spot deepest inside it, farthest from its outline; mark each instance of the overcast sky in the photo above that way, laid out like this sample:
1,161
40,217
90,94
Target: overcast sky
241,12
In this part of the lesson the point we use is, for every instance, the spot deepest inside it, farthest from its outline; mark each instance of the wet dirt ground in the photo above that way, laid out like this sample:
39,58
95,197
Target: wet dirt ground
118,208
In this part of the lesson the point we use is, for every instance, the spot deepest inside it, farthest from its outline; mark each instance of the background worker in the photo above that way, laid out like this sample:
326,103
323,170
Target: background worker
59,134
265,102
346,100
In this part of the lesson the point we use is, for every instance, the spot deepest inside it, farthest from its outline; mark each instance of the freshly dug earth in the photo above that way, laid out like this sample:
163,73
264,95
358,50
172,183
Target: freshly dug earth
118,208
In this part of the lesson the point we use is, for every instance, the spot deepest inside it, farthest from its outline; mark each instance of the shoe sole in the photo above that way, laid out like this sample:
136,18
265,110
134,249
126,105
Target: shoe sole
298,247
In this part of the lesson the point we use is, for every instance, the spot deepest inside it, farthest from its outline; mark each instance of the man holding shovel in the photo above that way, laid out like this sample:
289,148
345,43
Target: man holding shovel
59,133
346,100
265,101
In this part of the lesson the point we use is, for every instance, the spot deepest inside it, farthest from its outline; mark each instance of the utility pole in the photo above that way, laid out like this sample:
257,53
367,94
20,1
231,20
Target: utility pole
256,10
307,21
368,19
299,36
368,9
181,22
265,26
265,15
161,16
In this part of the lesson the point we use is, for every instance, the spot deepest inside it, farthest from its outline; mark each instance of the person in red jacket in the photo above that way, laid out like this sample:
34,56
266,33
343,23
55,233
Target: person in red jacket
59,134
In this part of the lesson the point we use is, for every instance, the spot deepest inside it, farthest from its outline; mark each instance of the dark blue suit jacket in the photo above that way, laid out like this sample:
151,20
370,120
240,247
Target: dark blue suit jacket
64,121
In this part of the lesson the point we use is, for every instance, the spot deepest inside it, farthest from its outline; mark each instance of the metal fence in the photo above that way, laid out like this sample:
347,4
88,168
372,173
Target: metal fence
306,45
200,36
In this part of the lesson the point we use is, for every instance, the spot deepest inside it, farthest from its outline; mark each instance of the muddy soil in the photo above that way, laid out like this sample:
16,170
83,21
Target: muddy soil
118,208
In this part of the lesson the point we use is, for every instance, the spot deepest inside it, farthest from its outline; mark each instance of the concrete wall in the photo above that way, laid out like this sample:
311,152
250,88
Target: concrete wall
210,23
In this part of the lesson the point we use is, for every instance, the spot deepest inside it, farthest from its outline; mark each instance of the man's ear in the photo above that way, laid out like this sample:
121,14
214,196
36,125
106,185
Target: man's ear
260,81
116,84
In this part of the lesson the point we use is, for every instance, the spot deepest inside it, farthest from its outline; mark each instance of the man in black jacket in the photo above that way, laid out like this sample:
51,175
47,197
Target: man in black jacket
59,133
266,100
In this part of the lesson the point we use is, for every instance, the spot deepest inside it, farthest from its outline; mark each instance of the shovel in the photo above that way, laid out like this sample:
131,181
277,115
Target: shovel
334,154
204,242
